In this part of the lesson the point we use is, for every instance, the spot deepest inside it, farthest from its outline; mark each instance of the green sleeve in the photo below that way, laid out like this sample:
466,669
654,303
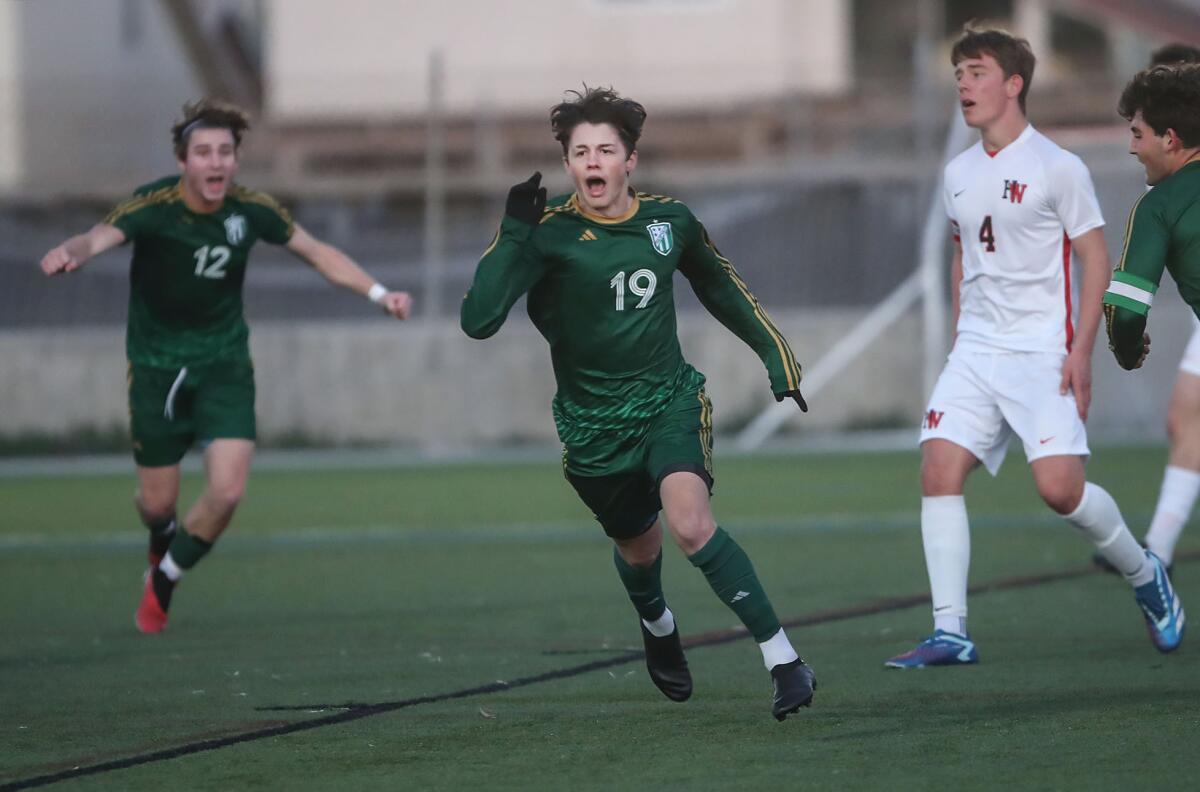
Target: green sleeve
1129,296
1125,330
133,217
725,295
272,222
510,267
142,211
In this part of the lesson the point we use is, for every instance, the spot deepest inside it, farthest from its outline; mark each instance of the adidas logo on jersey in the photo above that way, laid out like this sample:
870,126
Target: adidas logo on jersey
587,236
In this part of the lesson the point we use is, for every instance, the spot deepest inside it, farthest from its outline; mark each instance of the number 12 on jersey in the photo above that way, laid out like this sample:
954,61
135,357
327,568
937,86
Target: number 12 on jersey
210,263
642,283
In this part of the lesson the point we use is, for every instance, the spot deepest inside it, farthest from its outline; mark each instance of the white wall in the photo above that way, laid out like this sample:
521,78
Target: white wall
10,105
428,385
101,83
370,57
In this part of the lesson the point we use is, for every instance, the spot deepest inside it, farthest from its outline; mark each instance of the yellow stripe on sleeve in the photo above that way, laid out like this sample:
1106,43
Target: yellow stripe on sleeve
791,368
1129,230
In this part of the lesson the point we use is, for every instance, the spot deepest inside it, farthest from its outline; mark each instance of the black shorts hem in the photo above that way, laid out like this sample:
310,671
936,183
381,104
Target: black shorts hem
687,467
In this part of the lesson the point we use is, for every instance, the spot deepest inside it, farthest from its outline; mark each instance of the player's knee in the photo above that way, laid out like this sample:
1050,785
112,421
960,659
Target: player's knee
227,494
640,557
154,506
938,480
692,530
1063,496
1183,425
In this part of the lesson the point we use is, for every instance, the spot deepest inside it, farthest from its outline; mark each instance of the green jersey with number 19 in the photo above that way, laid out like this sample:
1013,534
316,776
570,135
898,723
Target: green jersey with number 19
185,298
601,293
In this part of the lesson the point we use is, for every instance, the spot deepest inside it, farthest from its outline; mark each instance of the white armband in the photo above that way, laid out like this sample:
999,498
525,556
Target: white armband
376,292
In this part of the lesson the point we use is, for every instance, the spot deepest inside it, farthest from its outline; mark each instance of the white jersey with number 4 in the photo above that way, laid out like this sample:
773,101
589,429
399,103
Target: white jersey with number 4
1014,214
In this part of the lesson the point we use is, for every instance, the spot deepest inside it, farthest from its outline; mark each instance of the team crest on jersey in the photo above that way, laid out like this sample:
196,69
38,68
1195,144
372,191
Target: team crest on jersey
235,229
661,237
1014,191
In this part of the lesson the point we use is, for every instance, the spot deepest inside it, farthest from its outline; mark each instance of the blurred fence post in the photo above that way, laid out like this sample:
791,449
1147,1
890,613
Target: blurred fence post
931,15
435,191
931,260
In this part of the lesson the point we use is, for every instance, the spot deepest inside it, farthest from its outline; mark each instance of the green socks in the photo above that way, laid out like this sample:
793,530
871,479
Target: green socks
182,555
731,575
186,550
644,585
161,534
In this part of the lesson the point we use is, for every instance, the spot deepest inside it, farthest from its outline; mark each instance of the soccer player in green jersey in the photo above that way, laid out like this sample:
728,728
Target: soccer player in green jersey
1162,105
635,423
1181,479
190,374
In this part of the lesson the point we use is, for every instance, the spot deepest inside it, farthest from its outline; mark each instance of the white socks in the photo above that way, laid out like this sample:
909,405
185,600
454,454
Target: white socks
947,540
1179,489
1099,519
173,570
660,628
777,650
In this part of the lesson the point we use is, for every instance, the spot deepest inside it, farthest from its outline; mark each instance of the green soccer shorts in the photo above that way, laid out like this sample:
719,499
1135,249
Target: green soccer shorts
170,409
617,474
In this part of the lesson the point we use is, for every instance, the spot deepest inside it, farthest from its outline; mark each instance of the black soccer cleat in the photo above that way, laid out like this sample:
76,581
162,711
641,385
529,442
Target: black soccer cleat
667,666
795,683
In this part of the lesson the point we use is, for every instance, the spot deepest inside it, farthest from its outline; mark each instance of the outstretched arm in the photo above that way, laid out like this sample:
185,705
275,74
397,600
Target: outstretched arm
72,254
339,269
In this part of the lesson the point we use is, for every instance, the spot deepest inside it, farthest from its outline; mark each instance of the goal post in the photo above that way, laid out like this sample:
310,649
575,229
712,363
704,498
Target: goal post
925,283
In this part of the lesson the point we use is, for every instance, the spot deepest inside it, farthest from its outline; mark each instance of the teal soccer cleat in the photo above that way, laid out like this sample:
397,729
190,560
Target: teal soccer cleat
940,649
1161,607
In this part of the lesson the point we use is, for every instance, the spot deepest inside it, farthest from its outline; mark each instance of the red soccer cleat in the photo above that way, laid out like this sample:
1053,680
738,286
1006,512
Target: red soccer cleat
150,617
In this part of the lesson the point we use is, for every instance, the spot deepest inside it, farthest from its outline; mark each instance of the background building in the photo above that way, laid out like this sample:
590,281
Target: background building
806,133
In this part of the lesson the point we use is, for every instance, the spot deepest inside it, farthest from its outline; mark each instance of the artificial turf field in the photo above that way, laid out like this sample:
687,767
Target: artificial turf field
461,626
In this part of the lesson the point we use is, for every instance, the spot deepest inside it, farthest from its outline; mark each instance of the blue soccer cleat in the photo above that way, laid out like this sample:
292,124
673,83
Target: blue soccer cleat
940,649
1161,607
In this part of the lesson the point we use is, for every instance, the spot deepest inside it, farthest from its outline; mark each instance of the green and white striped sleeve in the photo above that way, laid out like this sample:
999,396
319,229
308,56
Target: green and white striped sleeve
1130,294
1130,291
1143,257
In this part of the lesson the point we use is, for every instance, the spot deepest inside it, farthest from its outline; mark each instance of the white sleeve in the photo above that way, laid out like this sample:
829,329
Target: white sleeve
947,203
1074,196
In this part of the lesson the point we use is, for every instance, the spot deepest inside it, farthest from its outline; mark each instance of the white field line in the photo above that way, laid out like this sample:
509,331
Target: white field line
582,531
373,459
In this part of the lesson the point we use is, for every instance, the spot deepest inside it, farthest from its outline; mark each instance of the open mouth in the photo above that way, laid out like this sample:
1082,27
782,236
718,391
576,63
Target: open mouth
595,186
967,104
214,181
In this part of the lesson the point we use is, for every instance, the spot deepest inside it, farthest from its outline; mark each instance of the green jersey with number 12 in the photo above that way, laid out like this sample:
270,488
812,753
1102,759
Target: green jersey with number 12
185,297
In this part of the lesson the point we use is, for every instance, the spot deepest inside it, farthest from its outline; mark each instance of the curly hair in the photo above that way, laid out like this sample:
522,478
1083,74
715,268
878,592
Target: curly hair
208,114
1171,54
1013,54
598,106
1168,98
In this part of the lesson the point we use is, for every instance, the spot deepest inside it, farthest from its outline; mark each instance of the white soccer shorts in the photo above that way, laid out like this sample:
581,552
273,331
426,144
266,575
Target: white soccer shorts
982,399
1191,355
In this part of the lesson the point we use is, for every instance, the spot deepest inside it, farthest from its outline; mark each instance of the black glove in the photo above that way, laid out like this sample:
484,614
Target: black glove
795,396
527,200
